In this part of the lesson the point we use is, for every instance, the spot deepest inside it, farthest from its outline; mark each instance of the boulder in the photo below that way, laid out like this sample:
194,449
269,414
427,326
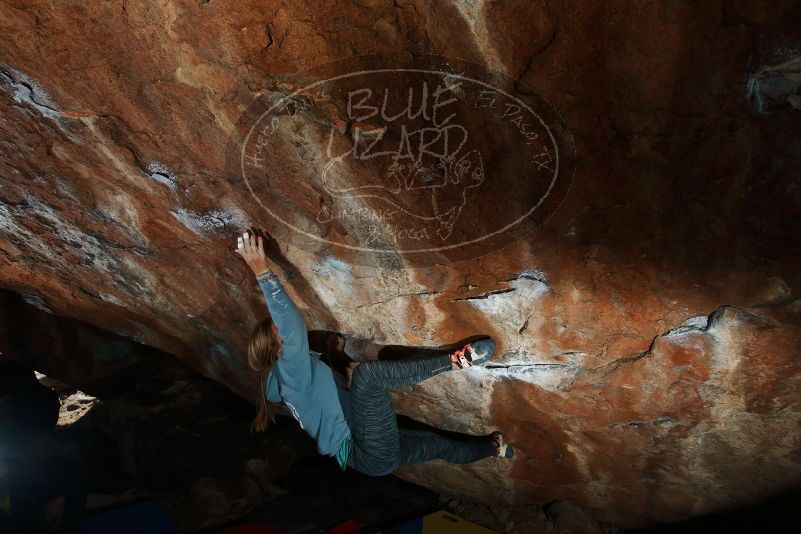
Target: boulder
645,312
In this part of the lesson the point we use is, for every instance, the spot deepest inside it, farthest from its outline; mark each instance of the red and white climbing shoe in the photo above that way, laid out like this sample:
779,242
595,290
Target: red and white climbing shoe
461,358
503,449
476,353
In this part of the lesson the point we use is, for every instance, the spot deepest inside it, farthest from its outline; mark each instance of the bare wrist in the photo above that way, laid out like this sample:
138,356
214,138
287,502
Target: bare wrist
266,273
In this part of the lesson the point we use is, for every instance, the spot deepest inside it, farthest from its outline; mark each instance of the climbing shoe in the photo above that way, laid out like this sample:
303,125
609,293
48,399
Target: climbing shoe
503,449
476,353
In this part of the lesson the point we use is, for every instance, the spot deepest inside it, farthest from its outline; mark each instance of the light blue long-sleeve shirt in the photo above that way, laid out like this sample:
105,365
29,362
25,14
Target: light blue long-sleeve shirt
312,392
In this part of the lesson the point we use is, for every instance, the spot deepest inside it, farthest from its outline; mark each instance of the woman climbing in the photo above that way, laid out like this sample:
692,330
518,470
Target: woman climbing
358,427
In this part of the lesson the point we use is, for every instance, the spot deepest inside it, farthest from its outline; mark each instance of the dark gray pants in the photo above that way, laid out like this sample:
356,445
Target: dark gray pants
379,446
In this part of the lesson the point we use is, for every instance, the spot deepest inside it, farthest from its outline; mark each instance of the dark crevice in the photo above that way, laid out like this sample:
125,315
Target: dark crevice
398,296
486,295
268,32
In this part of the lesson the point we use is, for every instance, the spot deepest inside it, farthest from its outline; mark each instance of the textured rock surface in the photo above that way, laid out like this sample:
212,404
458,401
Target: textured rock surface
648,363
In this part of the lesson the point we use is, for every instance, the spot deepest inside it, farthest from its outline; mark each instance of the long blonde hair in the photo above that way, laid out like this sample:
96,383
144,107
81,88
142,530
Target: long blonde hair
263,350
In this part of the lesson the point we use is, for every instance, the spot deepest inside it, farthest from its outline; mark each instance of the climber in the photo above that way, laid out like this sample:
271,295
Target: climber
358,427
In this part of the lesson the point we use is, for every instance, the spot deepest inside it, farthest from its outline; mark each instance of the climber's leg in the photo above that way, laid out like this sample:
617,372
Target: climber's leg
421,446
398,373
376,439
376,445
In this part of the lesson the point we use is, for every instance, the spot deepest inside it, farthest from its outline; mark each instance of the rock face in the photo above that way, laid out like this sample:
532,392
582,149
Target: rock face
648,336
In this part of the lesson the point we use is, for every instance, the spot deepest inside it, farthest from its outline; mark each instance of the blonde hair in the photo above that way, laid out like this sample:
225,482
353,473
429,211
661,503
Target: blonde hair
263,350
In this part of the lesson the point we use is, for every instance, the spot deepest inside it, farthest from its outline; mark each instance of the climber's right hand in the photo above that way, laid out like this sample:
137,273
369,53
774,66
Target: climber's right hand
250,246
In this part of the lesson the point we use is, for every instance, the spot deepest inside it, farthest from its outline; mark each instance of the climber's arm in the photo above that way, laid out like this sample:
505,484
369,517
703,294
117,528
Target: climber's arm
293,365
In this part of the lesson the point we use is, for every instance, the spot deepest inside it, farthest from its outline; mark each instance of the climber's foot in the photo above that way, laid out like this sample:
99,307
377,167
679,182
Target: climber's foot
502,448
482,350
476,353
